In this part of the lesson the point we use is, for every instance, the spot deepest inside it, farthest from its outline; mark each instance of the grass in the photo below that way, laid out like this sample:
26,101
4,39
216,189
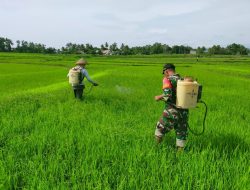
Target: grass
49,140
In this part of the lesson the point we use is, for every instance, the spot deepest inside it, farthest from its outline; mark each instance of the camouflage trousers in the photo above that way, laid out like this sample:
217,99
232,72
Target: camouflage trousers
173,118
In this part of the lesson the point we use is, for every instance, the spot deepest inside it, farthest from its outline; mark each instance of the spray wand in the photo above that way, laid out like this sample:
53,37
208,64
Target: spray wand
90,89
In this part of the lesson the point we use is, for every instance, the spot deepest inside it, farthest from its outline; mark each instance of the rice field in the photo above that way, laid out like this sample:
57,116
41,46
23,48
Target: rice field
49,140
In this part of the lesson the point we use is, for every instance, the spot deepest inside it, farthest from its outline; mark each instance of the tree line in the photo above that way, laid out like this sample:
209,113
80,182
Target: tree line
7,45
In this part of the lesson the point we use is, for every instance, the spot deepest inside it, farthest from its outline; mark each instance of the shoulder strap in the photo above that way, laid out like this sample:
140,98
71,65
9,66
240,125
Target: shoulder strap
175,76
77,68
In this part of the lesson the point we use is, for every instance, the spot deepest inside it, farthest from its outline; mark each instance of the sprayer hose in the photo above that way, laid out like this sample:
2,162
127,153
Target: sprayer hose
204,119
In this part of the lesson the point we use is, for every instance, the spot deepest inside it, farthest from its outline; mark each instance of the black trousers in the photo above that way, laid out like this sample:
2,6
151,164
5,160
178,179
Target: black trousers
78,91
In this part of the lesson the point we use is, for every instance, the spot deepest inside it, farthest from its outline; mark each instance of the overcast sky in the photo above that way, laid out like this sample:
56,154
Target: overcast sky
133,22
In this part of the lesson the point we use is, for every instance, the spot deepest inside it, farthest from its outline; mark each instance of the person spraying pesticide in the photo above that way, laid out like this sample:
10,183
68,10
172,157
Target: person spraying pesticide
179,95
76,76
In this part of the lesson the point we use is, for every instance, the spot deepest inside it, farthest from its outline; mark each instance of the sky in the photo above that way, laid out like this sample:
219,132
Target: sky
133,22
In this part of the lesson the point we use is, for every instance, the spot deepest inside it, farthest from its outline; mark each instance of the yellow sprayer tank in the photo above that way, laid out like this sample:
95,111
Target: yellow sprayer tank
186,94
74,76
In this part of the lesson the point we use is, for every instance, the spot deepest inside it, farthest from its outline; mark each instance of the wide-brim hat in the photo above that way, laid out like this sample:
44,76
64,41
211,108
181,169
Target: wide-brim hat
81,62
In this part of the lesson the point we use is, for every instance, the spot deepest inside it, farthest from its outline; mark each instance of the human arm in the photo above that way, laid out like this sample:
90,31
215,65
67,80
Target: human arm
167,91
159,97
85,73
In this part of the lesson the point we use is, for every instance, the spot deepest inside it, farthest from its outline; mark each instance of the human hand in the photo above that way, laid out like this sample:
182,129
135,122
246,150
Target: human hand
157,98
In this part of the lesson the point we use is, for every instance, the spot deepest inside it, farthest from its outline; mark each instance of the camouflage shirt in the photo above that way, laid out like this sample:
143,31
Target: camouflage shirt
169,90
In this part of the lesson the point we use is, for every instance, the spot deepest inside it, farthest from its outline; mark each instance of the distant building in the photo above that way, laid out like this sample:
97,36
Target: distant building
80,52
193,52
106,52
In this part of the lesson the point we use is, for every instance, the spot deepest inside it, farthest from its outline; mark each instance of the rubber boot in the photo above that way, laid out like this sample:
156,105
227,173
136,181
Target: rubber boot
180,144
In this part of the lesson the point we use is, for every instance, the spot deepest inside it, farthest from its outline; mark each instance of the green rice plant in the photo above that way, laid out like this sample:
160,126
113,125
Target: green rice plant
49,140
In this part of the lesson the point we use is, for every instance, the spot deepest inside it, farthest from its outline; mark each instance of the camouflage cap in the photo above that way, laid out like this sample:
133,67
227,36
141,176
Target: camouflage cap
168,66
81,62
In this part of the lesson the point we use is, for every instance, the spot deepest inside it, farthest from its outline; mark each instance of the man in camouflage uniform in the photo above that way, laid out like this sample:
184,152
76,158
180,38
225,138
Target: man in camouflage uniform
172,117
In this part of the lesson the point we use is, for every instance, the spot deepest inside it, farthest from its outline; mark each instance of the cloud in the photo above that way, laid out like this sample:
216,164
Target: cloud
193,22
143,10
158,31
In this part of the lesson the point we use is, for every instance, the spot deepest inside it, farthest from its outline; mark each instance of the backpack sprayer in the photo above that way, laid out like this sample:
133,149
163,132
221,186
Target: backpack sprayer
74,78
188,95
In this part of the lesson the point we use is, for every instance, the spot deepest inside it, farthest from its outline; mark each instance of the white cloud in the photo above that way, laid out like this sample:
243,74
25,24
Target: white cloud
158,31
193,22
